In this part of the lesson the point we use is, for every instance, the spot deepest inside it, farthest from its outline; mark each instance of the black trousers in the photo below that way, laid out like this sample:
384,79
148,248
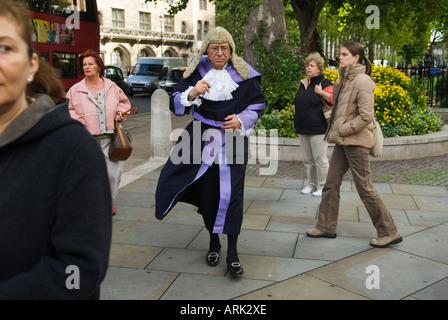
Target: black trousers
204,193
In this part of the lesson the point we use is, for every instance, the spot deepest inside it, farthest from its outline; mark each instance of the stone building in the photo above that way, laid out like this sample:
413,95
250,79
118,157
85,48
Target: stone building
135,28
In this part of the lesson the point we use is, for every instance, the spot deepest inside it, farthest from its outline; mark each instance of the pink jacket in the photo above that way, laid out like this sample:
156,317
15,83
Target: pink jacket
81,108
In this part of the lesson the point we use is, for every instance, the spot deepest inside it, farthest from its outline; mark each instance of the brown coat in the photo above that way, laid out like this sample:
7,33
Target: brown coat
352,118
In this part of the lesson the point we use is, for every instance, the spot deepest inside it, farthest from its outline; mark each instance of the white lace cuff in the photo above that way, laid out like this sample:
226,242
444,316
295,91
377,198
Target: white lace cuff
242,129
184,99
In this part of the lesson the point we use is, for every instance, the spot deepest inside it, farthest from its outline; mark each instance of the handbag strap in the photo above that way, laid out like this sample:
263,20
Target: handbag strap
119,132
131,112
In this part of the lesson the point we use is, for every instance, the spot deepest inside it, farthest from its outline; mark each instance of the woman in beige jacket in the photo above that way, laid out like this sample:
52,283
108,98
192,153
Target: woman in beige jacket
351,131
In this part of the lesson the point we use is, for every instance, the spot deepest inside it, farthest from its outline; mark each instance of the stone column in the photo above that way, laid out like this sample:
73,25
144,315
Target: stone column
160,125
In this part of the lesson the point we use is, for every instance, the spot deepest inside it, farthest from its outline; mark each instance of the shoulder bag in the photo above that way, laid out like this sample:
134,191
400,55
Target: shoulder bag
377,149
120,148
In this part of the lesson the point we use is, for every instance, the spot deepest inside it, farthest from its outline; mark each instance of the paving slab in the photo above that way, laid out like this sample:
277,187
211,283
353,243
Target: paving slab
426,218
297,184
135,214
271,243
264,194
399,216
135,284
290,224
437,291
303,287
141,185
187,261
151,234
272,268
294,195
428,203
203,287
284,208
397,273
431,243
132,256
419,190
134,199
329,249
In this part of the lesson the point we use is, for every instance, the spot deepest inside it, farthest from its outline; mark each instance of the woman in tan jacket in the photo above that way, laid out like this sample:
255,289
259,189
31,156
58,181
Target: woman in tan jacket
351,131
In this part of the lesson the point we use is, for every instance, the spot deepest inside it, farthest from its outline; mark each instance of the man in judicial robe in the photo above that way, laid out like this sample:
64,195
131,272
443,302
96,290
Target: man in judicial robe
207,166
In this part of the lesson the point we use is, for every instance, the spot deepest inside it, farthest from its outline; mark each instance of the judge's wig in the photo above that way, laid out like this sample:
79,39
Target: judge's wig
220,35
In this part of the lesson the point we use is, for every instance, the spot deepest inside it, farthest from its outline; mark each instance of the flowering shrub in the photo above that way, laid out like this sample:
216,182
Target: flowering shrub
392,105
390,76
331,74
400,103
282,120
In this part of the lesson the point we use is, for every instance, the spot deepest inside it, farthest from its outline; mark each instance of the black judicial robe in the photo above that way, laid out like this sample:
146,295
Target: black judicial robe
207,166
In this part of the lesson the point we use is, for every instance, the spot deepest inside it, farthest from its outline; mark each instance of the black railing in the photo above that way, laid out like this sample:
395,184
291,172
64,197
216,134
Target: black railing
436,81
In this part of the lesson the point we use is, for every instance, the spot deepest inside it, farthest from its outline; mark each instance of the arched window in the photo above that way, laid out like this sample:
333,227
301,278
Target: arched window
143,53
117,57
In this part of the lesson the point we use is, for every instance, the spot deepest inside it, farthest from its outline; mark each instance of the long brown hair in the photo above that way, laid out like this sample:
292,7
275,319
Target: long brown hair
46,82
356,48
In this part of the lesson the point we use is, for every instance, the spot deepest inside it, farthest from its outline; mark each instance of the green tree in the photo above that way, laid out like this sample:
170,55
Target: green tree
307,15
403,24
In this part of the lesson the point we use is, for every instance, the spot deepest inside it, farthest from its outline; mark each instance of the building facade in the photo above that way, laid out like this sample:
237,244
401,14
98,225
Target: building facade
135,28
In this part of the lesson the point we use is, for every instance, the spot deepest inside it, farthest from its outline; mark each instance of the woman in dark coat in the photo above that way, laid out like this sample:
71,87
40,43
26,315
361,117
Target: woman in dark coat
55,221
312,108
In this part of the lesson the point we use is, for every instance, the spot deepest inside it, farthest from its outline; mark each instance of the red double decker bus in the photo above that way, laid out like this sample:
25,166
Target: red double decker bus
64,29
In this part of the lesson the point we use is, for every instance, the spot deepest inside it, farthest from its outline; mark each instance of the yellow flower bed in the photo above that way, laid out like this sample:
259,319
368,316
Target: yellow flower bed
391,104
331,74
400,104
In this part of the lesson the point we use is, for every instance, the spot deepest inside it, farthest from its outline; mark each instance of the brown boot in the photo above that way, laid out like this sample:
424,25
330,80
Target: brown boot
316,233
386,241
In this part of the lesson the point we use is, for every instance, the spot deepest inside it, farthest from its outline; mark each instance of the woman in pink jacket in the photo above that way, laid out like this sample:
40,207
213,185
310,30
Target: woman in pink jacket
96,102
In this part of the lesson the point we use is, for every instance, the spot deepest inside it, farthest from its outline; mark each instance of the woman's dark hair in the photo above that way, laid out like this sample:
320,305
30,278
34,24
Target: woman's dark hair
96,56
356,48
46,82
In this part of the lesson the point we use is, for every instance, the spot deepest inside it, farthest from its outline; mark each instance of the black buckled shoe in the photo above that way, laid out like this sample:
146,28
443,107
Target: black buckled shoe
235,268
213,259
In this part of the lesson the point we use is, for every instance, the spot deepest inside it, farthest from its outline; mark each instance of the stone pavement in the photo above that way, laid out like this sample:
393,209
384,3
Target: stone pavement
165,260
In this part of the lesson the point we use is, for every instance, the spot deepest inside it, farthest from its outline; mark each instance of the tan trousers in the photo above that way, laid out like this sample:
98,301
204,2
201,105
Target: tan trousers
314,154
357,160
114,168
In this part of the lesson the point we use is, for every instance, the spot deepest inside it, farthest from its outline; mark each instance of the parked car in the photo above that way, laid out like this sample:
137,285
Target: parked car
149,72
115,74
169,85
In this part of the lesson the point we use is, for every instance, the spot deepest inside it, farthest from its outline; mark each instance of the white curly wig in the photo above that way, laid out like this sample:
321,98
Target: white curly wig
219,35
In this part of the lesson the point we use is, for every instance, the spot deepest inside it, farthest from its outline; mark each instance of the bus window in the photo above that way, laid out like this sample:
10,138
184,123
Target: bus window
86,8
65,64
39,5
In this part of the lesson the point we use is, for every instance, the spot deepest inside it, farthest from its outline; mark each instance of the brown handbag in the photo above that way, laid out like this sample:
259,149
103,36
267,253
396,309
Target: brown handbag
120,148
